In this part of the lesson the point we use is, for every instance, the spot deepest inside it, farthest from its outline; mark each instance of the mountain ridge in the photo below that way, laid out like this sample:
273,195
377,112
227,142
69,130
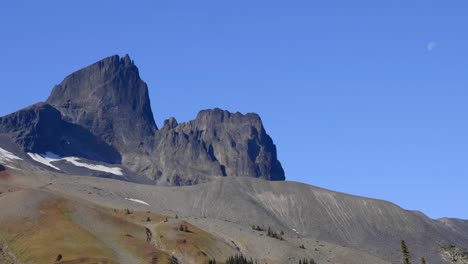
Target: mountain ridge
109,102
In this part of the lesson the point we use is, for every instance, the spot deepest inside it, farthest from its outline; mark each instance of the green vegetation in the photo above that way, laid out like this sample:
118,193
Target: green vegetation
238,259
302,246
173,260
183,228
405,252
257,228
307,261
273,234
423,260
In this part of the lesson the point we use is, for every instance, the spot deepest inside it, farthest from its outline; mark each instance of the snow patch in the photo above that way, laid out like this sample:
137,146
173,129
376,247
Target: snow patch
75,161
45,159
6,155
50,157
137,201
295,231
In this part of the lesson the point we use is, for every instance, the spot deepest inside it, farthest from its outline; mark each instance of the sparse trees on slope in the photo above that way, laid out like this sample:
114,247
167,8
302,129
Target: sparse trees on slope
307,261
273,234
238,259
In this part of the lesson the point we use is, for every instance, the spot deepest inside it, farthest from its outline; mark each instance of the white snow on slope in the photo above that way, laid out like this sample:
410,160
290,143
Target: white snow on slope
45,159
50,157
11,167
75,161
6,155
137,201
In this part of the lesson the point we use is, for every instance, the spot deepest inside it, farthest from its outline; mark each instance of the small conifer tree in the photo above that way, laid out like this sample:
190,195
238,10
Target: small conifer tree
405,252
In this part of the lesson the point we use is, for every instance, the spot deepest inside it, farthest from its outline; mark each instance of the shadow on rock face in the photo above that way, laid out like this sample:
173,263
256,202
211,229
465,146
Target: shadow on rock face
71,144
40,129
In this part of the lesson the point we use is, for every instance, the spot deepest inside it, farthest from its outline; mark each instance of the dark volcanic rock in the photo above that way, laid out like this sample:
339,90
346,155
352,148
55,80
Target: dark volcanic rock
102,112
108,98
216,143
40,128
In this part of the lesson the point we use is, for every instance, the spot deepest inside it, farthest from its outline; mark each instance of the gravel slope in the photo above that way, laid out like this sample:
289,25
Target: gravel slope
348,224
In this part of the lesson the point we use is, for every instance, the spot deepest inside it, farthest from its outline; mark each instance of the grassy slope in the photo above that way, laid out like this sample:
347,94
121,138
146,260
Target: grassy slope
193,246
86,233
41,240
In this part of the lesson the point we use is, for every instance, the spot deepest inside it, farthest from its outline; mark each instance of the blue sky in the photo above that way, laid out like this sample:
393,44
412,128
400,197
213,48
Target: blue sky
364,97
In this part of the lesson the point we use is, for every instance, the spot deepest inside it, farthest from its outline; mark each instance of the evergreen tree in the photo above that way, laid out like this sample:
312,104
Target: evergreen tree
238,259
423,260
307,261
405,252
173,260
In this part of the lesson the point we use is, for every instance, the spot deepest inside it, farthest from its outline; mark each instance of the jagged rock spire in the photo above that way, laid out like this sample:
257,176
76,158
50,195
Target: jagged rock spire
110,99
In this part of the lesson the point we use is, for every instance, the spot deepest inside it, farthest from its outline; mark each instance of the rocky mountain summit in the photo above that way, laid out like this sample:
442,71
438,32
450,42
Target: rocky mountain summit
217,142
109,99
103,113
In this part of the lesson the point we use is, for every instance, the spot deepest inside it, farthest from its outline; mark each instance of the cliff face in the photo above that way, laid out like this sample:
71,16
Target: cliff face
217,142
109,99
103,112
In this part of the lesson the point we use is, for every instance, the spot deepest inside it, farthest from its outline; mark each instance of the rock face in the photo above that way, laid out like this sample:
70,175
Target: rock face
40,128
109,99
216,143
102,112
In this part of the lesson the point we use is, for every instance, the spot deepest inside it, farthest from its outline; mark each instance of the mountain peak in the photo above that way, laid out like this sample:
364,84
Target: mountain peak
126,60
103,113
110,99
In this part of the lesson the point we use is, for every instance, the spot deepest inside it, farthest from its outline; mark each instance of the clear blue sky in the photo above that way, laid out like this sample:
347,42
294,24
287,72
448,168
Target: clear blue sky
365,97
